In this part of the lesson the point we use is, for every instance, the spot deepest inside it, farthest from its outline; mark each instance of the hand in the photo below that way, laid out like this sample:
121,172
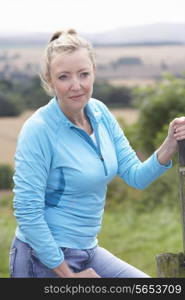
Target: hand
64,271
171,137
88,273
178,127
176,132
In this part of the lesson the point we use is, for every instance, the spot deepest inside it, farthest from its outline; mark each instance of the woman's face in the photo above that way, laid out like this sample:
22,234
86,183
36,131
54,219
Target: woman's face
72,78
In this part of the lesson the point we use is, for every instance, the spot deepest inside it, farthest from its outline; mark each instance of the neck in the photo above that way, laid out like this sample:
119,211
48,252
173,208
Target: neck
76,117
80,119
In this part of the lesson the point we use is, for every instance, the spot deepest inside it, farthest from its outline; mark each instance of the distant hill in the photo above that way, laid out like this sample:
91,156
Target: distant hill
20,39
147,34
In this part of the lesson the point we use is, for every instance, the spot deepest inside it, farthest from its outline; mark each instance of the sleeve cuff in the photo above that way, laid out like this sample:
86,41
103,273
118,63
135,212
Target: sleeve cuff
168,165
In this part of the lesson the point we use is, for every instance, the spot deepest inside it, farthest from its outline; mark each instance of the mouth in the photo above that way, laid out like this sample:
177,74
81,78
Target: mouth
76,96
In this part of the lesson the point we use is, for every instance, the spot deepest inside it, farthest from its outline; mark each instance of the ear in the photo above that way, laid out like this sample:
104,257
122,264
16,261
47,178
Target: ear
94,72
50,82
51,86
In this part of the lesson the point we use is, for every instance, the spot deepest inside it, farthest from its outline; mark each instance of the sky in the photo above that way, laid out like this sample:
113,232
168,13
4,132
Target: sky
88,16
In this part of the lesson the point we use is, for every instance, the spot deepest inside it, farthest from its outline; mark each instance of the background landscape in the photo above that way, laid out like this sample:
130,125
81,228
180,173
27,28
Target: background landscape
140,76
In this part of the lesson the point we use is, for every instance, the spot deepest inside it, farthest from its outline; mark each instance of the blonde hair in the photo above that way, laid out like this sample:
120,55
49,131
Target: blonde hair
65,41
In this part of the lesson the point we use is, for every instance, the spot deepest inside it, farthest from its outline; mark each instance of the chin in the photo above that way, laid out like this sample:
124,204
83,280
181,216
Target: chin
80,103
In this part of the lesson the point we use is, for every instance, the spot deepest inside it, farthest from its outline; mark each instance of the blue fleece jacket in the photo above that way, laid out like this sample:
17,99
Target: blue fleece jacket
61,178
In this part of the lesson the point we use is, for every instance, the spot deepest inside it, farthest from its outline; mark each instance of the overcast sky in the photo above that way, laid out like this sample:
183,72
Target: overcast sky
88,16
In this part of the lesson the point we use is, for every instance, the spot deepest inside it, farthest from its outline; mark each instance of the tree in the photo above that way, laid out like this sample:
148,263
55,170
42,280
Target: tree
34,95
8,106
158,105
119,96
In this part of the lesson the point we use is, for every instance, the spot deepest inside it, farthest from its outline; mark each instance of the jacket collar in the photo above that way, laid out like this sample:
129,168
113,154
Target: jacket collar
92,112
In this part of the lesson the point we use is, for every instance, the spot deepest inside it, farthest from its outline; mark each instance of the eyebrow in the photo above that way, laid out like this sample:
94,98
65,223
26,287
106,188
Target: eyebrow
67,72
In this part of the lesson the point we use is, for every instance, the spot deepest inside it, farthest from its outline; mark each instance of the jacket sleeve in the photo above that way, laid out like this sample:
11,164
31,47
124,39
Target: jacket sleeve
134,172
32,163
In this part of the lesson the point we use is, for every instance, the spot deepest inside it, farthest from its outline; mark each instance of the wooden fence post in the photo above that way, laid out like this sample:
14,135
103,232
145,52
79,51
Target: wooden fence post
169,264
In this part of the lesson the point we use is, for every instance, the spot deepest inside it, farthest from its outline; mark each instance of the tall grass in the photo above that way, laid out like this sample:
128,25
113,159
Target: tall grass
138,238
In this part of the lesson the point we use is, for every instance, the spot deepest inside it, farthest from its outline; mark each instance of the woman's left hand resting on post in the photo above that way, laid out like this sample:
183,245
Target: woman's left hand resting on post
176,132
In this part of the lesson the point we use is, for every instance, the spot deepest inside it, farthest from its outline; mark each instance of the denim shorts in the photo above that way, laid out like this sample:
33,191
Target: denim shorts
24,263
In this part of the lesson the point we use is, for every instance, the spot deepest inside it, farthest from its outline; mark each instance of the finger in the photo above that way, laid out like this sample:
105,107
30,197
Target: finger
177,121
179,136
179,128
90,269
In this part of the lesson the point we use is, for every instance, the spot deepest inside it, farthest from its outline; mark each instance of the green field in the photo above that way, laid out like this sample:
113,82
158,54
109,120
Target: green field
138,238
7,228
134,237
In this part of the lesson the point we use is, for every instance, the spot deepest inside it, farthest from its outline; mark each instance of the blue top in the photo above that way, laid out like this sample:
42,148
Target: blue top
61,178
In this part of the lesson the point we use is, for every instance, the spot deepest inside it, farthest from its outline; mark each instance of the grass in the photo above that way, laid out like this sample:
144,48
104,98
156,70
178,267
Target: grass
138,238
7,229
134,237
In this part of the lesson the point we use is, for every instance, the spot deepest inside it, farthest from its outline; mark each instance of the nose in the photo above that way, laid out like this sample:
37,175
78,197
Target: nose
75,84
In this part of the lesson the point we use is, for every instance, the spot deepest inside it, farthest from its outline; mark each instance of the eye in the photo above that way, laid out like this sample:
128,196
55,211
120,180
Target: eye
63,77
84,74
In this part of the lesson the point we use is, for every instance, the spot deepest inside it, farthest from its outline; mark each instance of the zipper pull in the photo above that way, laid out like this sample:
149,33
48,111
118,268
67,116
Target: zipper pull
101,157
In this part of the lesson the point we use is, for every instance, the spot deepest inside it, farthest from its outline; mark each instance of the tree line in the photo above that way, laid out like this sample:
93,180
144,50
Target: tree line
16,97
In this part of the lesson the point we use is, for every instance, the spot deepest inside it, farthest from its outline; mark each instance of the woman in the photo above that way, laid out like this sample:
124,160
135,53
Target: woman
67,153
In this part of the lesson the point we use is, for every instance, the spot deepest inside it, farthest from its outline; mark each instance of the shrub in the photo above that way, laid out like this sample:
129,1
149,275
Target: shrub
112,96
6,174
8,106
159,105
